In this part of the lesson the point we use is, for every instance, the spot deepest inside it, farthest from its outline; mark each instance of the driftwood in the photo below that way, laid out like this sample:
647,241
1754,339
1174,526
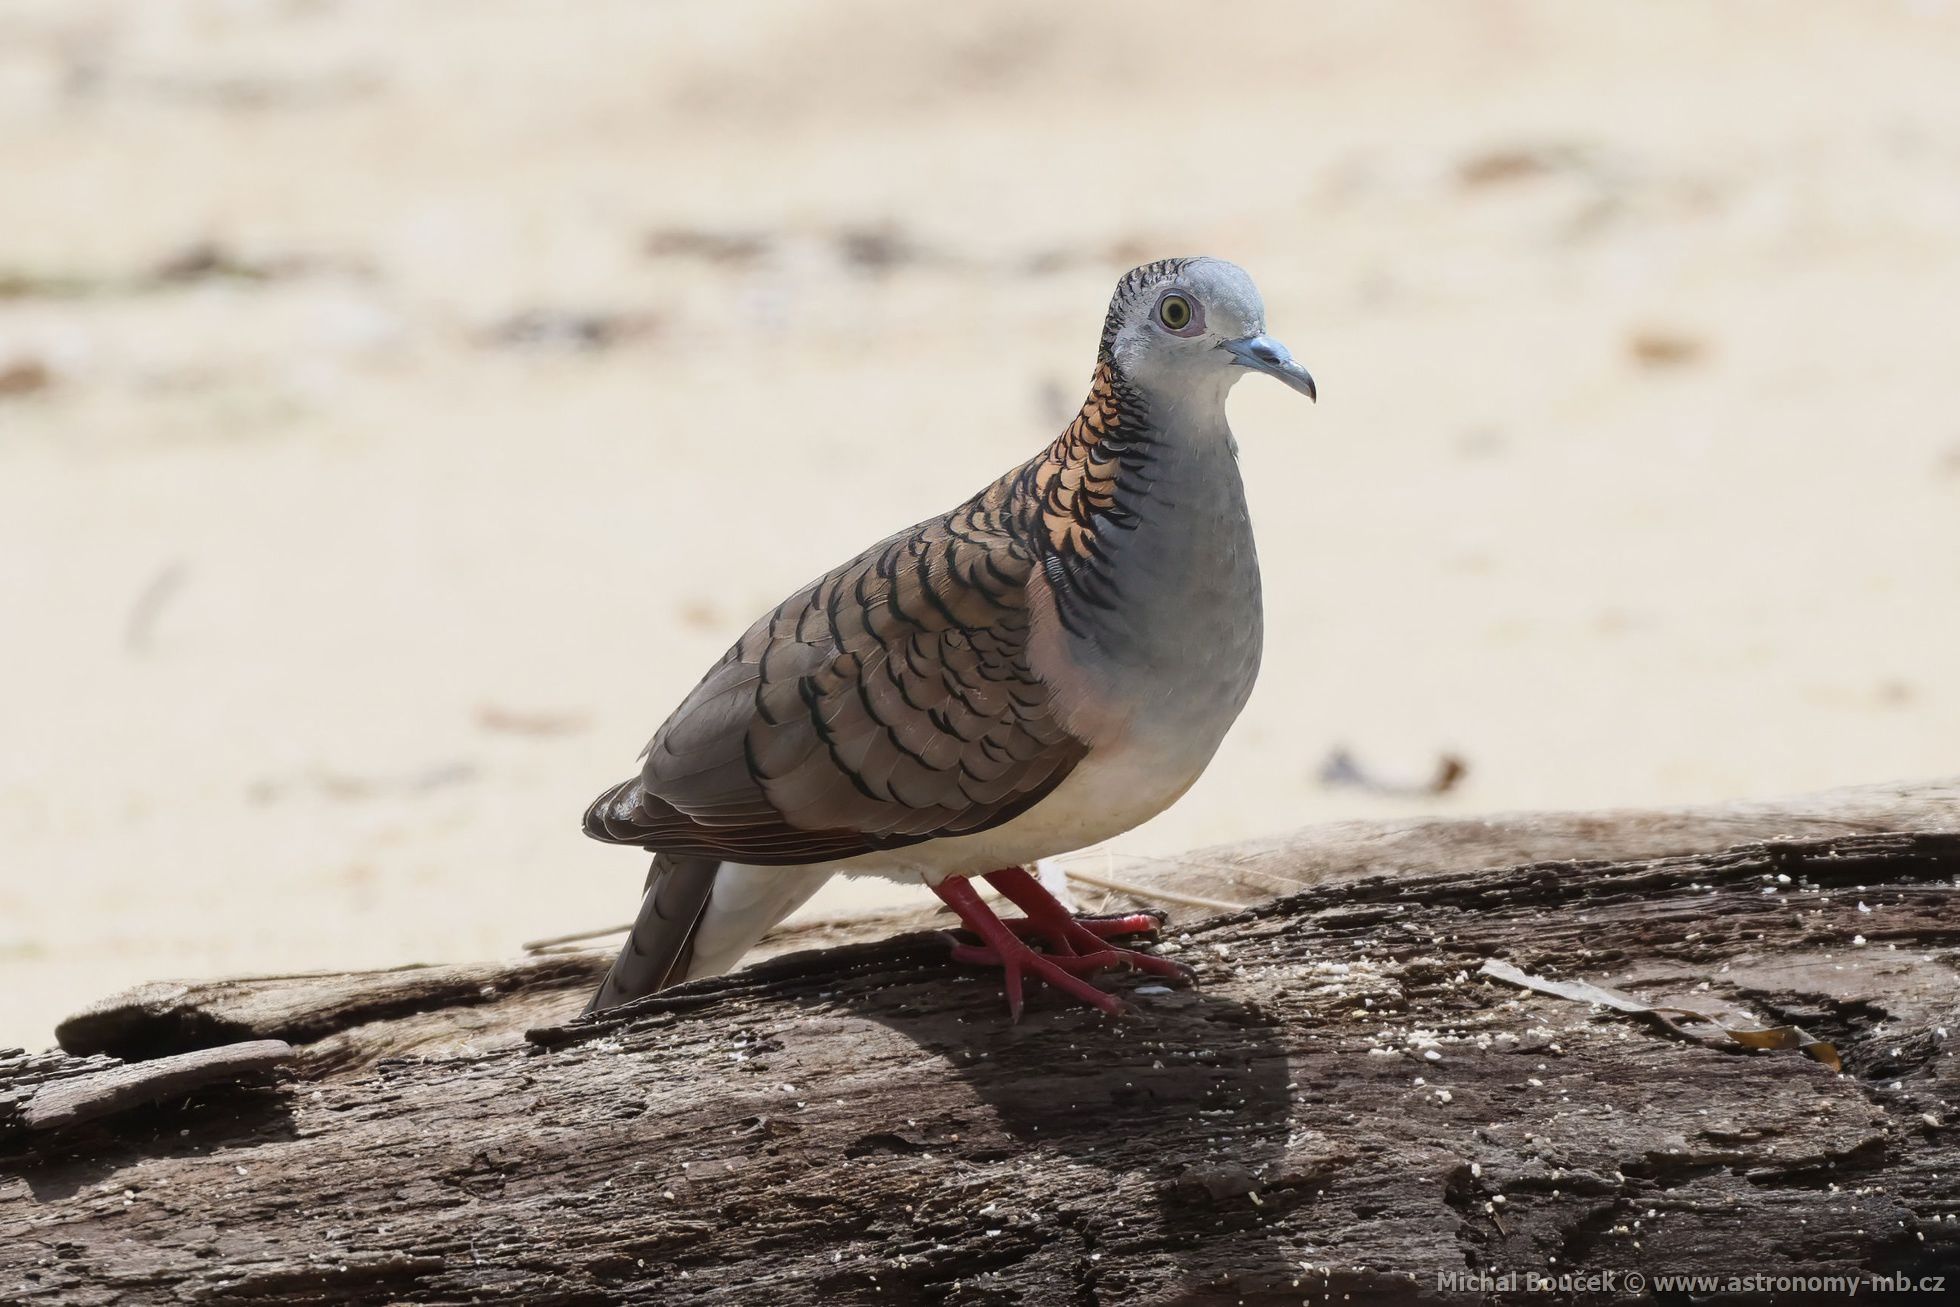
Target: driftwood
1254,871
1345,1110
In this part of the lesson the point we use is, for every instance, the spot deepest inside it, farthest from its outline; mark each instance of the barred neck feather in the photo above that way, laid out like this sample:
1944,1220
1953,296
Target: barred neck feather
1115,473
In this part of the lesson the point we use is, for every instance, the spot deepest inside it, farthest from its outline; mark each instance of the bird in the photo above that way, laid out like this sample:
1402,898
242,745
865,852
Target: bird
1044,667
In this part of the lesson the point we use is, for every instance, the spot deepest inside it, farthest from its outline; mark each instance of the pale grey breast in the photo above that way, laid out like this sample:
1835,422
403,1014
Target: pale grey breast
1176,629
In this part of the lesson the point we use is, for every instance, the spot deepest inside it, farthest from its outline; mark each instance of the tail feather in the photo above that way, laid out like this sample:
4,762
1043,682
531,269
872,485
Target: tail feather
660,946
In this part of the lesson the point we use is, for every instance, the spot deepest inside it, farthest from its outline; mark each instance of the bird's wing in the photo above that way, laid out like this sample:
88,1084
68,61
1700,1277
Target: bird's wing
888,703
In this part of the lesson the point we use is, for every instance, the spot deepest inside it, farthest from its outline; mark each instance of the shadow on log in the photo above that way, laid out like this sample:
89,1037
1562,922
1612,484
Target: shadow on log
1344,1111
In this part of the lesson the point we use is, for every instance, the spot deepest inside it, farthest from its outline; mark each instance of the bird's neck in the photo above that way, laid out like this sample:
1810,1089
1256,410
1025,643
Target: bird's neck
1123,439
1137,516
1078,481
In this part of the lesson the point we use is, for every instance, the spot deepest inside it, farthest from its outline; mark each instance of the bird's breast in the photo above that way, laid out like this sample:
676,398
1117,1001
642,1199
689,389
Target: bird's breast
1162,661
1150,676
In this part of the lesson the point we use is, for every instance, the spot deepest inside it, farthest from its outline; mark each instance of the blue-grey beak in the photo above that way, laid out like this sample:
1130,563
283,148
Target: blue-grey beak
1264,354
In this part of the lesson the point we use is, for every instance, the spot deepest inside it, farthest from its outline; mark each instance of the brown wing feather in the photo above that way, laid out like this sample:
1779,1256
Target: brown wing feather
888,703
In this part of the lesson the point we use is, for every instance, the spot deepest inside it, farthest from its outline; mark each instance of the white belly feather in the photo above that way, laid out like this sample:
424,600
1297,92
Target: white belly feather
1108,793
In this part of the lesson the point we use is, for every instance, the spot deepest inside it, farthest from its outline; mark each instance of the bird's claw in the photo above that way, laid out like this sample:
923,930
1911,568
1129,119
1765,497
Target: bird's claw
1076,947
1115,926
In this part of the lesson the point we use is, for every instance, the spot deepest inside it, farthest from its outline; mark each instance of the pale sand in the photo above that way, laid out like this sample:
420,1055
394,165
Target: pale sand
1600,580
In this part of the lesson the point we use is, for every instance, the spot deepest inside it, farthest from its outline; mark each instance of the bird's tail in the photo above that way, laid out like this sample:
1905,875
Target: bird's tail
698,917
661,944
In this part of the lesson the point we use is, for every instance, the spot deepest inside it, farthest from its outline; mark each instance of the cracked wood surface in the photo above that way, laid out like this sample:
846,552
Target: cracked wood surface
344,1018
1253,871
858,1125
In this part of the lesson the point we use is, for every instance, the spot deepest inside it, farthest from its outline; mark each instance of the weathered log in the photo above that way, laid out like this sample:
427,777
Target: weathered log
337,1018
63,1101
347,1018
1256,871
1348,850
1343,1111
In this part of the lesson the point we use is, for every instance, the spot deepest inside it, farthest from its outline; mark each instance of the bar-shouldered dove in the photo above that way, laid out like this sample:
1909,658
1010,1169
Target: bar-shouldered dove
1044,667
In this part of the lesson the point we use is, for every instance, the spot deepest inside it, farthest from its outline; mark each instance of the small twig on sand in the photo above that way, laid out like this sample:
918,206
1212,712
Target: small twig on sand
576,937
1151,892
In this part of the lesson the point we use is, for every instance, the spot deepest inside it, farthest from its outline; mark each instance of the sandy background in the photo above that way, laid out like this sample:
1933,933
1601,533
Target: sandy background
402,403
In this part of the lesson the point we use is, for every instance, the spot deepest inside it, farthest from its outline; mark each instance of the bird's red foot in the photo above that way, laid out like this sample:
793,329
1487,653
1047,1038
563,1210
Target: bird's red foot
1113,927
1078,947
1066,933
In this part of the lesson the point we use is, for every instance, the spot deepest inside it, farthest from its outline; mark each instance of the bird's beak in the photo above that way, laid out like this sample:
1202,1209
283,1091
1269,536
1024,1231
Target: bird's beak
1264,354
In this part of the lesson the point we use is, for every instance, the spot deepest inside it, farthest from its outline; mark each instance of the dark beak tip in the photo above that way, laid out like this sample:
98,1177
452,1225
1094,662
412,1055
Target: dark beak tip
1262,353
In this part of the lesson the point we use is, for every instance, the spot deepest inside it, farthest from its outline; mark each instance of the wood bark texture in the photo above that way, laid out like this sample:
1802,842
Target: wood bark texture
1343,1111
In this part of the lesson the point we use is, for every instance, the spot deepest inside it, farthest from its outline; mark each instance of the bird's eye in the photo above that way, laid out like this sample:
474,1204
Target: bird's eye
1174,311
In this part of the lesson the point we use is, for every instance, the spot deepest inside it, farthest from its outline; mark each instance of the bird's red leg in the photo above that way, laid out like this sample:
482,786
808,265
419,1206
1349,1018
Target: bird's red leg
1004,948
1054,923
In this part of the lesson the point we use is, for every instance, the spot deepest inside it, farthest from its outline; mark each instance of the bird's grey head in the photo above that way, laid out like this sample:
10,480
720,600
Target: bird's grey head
1183,330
